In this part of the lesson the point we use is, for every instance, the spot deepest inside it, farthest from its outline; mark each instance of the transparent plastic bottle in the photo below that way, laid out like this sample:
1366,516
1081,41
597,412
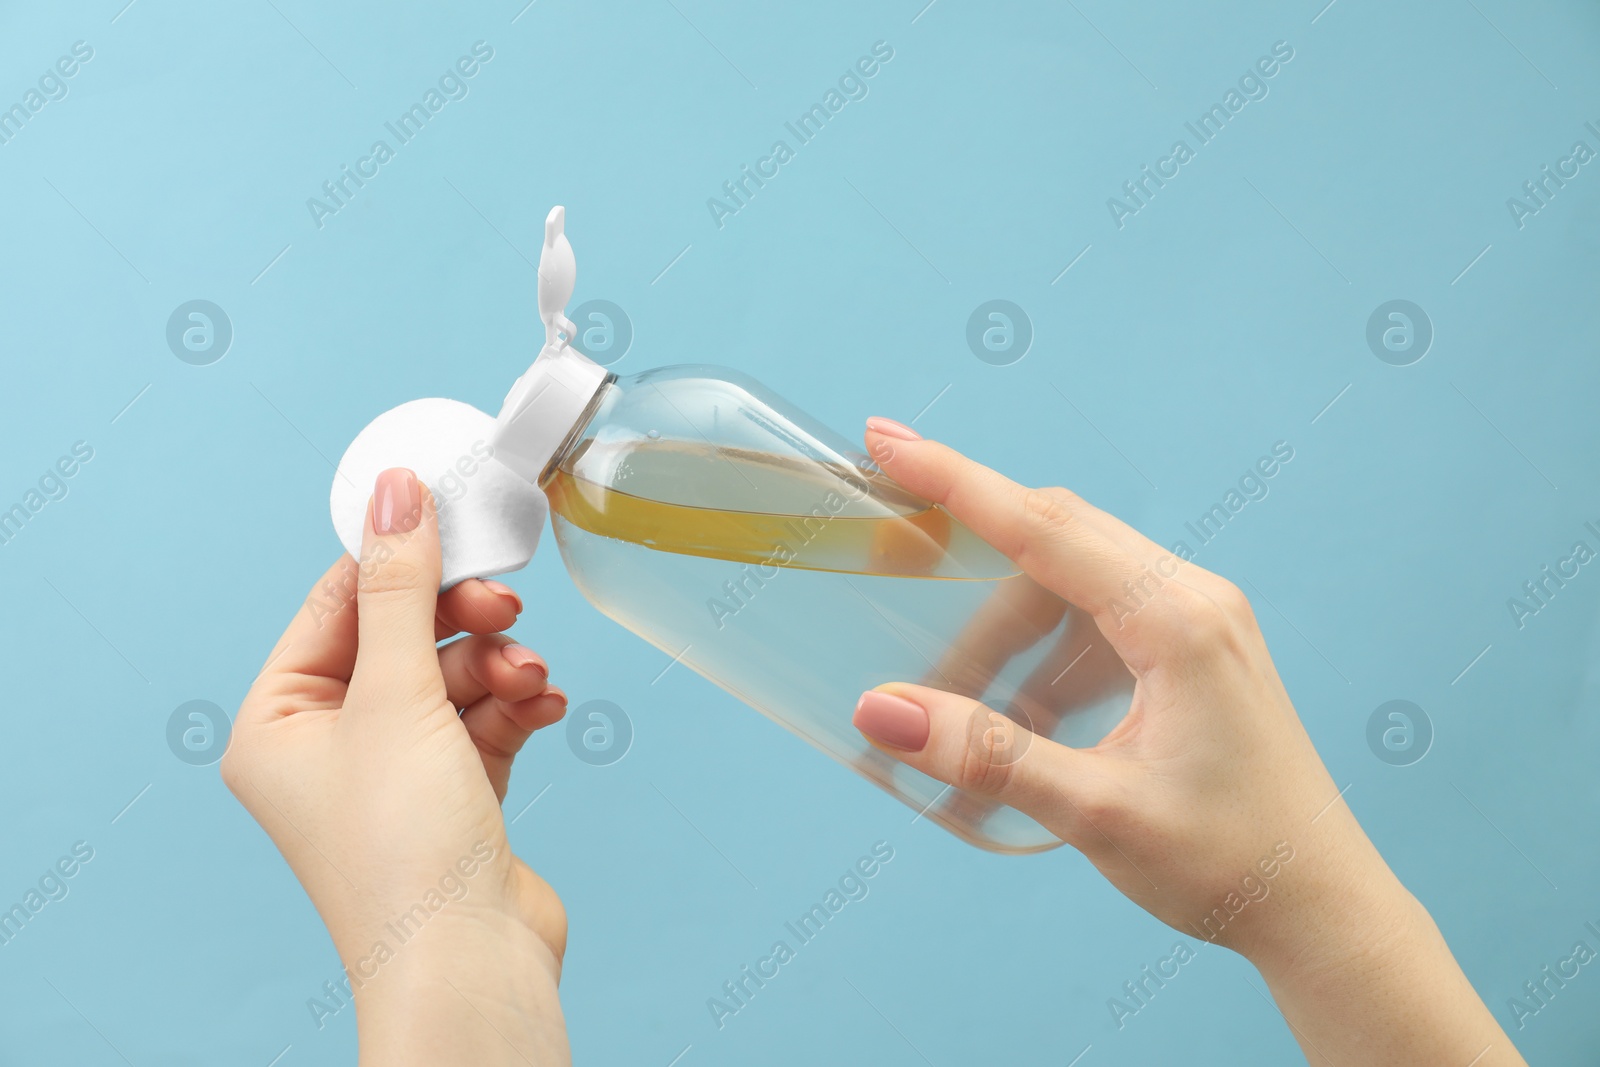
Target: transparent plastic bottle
756,547
733,533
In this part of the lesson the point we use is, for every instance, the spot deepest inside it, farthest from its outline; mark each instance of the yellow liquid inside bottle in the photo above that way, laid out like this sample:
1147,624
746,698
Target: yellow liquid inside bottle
901,537
822,583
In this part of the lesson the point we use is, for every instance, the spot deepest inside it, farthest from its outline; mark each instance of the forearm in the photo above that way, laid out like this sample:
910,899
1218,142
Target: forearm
1370,980
483,994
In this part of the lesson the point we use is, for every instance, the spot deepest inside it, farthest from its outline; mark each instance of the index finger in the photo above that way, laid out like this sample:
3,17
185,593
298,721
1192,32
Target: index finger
476,606
1043,531
321,639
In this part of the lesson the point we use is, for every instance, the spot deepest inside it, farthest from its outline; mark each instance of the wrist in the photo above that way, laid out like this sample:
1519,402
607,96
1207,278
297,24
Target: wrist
1362,974
474,988
1337,903
1357,938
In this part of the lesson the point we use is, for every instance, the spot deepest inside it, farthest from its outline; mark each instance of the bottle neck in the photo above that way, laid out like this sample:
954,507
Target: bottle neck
579,429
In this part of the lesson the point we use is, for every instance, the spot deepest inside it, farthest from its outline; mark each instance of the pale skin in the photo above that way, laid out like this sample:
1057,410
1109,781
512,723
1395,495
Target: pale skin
1209,772
350,752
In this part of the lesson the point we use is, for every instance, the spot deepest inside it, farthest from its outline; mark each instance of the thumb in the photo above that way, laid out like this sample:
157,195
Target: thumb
397,590
979,751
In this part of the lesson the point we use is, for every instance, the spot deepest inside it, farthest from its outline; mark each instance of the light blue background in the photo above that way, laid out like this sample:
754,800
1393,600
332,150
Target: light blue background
1223,317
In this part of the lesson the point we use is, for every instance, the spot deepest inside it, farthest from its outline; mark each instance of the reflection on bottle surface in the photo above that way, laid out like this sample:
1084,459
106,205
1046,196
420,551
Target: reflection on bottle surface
796,579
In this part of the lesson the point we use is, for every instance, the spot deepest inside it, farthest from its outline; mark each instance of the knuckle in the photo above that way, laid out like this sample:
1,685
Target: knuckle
1233,602
1048,511
1065,496
993,745
502,745
1213,632
396,574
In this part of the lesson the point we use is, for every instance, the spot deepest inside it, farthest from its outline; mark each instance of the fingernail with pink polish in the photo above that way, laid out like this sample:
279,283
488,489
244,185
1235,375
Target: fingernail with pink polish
893,720
502,589
890,428
396,502
520,656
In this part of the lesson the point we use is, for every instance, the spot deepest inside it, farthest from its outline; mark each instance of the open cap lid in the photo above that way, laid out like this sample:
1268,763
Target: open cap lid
546,403
483,472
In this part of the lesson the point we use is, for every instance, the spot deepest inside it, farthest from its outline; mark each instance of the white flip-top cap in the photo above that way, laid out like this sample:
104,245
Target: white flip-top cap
546,403
483,472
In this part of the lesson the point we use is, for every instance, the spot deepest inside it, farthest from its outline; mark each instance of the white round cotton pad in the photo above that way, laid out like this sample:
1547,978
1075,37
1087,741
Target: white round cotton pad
490,517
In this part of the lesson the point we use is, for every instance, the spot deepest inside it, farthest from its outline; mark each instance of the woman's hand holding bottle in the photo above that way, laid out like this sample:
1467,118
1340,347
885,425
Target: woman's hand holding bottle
1207,805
